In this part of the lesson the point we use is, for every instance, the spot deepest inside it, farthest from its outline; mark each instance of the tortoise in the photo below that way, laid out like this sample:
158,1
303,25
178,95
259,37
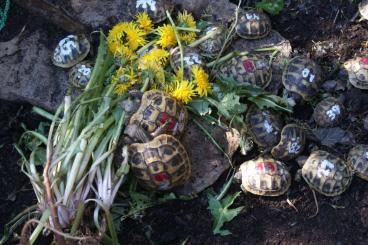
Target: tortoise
158,113
253,24
214,39
156,9
161,163
264,176
358,72
70,51
254,69
358,160
328,112
326,173
80,74
291,144
191,56
264,126
303,77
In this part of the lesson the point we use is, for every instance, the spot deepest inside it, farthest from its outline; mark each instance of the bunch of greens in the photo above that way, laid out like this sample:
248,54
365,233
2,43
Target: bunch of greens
273,7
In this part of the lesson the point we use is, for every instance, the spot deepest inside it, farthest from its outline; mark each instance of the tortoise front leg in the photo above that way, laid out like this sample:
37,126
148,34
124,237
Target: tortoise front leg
179,127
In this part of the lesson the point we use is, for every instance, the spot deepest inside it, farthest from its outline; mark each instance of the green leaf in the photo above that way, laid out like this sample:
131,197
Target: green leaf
221,211
202,107
230,106
271,101
273,7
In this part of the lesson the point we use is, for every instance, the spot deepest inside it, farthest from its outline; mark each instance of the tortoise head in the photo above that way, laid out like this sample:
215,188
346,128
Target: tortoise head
132,103
238,176
135,133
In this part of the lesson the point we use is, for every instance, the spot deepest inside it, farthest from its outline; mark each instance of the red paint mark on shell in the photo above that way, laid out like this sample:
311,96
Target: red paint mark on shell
164,117
266,167
248,65
364,61
160,177
270,167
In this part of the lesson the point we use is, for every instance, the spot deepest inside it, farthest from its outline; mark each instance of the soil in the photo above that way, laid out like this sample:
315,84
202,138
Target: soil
340,220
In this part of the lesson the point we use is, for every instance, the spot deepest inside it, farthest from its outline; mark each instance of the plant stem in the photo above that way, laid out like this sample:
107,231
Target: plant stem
177,39
111,226
37,231
78,218
145,84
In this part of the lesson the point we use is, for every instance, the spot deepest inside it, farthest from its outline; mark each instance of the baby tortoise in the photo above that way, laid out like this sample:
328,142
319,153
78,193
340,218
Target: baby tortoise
326,173
161,163
303,77
156,9
214,36
328,112
158,113
253,25
264,126
291,144
191,57
358,160
264,176
358,72
255,70
70,51
80,74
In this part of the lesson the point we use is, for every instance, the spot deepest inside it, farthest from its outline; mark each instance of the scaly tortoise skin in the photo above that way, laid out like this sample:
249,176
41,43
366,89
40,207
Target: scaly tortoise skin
80,74
329,112
358,160
326,173
191,57
253,25
291,144
156,9
264,176
358,72
264,126
303,77
157,111
70,51
248,69
213,45
160,164
363,9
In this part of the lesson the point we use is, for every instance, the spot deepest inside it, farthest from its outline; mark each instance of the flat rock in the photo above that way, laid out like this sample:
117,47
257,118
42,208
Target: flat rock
27,73
208,162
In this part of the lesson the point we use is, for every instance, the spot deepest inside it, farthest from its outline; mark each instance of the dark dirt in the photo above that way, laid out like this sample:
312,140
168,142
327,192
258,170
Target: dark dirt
341,220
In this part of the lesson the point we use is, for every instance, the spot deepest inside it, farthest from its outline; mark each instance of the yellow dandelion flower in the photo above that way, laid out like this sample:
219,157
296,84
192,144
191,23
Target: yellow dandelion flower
114,41
187,20
122,88
153,59
183,91
167,36
144,22
201,79
134,36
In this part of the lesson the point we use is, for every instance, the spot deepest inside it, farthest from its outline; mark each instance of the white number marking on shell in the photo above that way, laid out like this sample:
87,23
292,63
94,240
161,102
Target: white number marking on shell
333,112
294,146
268,126
84,70
306,72
151,4
192,60
65,48
252,16
325,169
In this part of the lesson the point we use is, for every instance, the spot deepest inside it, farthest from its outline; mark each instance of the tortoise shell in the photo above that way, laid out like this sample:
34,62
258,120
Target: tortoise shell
363,9
291,144
328,112
191,56
358,72
264,126
253,25
255,70
326,173
213,45
156,9
70,51
158,108
358,160
303,77
264,176
80,74
161,163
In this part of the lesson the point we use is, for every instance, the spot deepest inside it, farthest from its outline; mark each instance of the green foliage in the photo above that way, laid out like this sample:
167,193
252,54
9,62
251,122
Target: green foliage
273,7
4,14
221,211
